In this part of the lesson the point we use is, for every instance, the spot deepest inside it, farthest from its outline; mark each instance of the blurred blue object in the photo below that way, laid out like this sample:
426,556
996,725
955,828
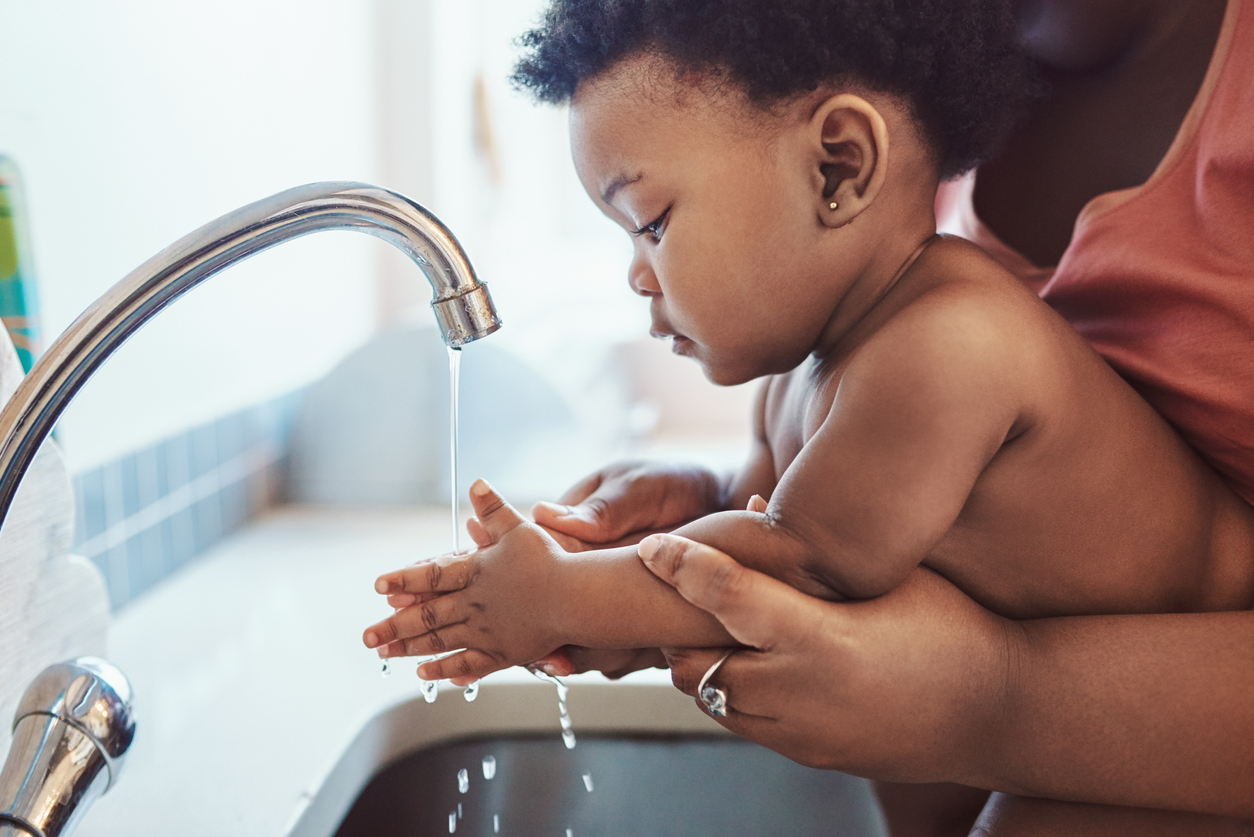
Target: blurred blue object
19,302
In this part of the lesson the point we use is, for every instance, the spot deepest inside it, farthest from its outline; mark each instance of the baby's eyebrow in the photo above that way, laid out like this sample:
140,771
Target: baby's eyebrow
618,183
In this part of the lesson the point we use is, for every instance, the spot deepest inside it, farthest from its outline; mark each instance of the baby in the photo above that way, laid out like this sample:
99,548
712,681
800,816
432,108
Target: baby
776,166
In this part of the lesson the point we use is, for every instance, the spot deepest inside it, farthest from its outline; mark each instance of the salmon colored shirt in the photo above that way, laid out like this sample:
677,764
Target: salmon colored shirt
1160,277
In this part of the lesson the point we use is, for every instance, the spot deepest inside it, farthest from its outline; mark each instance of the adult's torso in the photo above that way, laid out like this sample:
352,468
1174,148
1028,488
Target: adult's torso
1157,276
1108,115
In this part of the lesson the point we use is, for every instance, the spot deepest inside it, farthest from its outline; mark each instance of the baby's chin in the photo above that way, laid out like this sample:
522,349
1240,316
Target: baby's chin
724,374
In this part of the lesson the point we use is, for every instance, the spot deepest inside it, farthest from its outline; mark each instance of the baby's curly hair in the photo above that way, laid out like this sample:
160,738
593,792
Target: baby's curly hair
956,62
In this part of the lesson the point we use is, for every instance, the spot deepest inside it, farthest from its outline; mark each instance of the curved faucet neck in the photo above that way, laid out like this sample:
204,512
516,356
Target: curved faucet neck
461,303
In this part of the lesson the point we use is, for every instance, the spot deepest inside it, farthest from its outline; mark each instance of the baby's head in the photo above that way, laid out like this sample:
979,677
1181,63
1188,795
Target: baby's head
777,161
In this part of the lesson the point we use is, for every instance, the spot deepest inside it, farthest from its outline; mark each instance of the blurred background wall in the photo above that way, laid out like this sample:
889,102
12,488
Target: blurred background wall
134,122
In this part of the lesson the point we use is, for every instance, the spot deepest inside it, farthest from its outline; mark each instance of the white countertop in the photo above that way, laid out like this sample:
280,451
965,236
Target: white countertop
251,681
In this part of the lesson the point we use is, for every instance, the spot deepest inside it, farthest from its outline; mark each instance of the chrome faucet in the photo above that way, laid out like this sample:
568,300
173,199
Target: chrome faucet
71,734
74,725
462,306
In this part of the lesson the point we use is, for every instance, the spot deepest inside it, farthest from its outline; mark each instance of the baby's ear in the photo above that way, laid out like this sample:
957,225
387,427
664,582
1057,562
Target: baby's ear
850,147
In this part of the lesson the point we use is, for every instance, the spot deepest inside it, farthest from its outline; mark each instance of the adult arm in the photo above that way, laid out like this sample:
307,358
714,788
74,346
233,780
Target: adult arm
924,685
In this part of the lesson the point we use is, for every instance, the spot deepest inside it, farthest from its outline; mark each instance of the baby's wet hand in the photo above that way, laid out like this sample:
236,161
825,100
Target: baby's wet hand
495,603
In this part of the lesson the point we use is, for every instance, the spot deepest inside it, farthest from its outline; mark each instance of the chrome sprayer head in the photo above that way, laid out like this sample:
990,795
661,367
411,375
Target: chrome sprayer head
71,734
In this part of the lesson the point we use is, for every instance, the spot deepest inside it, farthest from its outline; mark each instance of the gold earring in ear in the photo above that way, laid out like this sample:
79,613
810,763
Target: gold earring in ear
833,205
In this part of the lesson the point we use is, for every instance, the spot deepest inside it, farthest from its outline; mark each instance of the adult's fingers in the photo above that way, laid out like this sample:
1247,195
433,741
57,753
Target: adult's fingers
755,609
495,516
630,498
745,676
596,519
744,717
689,665
580,490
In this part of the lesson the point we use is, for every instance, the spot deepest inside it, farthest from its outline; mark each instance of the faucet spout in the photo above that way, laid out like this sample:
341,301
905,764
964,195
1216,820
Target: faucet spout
72,734
461,303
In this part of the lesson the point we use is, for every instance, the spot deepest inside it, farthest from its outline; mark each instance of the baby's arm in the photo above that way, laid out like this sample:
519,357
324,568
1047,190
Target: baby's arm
520,595
911,423
915,420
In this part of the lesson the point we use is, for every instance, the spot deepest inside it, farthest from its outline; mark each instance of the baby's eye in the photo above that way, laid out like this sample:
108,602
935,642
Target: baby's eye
653,229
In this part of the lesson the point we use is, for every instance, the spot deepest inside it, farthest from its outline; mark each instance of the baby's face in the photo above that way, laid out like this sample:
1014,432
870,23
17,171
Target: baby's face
721,211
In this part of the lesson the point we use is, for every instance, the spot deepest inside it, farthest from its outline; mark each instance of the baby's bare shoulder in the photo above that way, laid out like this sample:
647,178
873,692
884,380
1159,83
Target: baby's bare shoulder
967,329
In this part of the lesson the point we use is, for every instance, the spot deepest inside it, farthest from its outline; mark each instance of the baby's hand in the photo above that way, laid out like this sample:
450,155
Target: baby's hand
498,603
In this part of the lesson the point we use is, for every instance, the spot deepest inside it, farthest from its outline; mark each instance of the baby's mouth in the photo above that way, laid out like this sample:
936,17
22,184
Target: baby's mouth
678,342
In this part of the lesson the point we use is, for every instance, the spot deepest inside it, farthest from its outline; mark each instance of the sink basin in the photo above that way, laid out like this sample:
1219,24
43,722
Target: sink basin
657,765
643,786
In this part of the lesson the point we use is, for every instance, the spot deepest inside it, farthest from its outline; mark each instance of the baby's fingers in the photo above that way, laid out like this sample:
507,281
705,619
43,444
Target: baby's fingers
399,600
495,517
461,668
417,620
445,574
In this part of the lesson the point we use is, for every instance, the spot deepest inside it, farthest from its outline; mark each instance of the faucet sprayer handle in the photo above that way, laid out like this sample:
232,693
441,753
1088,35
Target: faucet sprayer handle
71,734
88,693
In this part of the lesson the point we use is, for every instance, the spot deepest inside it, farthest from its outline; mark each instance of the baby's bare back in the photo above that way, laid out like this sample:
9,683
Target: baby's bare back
1098,507
1089,504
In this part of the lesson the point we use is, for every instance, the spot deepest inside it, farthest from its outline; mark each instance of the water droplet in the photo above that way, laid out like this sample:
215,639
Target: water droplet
463,780
471,692
587,781
429,688
568,738
452,822
496,823
570,833
489,767
459,810
387,669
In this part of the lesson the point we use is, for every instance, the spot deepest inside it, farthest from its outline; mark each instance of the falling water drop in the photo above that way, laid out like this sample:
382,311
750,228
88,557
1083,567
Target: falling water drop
459,810
387,669
570,833
496,823
587,781
463,780
452,822
489,767
430,689
471,692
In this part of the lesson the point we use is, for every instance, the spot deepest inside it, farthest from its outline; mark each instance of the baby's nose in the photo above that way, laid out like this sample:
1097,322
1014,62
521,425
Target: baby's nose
642,279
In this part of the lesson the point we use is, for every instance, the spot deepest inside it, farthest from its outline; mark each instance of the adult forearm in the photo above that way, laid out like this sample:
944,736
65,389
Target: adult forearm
1151,711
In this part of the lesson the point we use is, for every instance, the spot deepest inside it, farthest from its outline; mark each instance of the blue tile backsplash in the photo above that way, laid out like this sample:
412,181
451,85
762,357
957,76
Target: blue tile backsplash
144,516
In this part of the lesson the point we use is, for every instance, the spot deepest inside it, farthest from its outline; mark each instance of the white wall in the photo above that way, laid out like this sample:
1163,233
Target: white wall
557,268
136,121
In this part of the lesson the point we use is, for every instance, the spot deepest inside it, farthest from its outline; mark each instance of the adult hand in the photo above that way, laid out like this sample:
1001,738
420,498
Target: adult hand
613,663
622,503
893,688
